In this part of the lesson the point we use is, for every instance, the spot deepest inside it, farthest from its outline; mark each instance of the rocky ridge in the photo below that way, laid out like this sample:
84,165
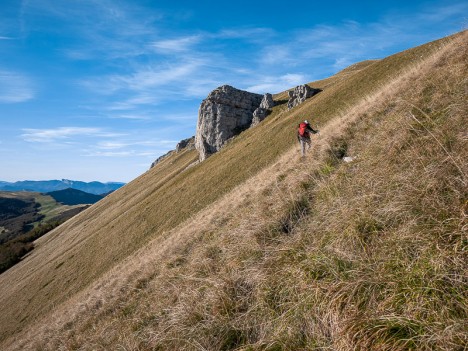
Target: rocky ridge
228,111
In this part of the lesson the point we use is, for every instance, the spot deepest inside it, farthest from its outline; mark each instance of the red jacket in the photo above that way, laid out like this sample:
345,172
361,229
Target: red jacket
304,130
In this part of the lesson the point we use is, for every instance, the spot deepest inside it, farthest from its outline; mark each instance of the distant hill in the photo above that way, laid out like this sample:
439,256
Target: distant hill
26,216
72,196
22,211
16,216
45,186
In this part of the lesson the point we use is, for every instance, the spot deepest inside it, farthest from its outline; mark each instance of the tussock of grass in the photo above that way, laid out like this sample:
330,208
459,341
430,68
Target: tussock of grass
290,255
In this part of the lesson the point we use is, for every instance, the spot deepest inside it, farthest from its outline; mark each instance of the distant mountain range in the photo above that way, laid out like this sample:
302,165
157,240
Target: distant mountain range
45,186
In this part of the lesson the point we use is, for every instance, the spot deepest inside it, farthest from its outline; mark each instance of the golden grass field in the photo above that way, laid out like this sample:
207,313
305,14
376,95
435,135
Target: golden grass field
257,249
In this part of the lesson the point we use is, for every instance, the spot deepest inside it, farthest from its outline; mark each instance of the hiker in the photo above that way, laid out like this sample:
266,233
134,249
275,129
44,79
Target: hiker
303,135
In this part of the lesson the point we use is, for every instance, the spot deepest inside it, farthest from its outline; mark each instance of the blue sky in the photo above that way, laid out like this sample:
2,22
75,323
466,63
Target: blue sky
98,89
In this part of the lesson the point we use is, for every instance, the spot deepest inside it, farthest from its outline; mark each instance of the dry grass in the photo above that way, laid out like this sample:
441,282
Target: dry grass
280,255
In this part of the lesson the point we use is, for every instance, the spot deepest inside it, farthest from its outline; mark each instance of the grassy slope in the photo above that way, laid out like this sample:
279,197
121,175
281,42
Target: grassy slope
164,197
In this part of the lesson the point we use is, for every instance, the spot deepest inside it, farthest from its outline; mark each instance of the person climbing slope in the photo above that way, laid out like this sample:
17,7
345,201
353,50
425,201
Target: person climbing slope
303,135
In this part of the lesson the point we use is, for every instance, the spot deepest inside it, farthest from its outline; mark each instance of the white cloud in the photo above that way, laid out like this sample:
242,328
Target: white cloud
63,133
277,53
440,14
161,76
132,103
108,154
178,117
114,30
332,48
15,87
130,147
132,116
178,45
111,145
277,84
143,80
251,34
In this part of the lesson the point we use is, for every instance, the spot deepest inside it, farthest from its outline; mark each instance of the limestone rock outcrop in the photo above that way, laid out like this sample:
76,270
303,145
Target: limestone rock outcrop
300,94
261,112
225,113
267,101
188,143
259,115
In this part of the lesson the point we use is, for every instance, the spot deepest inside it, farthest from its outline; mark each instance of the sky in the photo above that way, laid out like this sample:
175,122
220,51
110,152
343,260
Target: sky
98,89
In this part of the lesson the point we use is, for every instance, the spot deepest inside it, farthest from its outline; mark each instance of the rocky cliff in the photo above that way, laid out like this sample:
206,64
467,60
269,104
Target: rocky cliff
226,112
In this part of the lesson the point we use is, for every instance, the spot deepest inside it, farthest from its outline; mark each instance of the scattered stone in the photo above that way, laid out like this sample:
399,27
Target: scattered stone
225,113
348,159
300,94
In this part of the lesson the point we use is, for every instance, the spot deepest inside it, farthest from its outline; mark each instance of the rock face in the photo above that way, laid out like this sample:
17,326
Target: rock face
258,116
261,112
188,143
300,94
267,101
226,112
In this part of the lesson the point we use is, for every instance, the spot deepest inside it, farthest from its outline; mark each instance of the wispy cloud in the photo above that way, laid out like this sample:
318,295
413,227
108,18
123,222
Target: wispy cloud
130,147
63,133
253,34
133,116
276,84
112,145
336,47
441,14
178,45
108,154
144,78
15,87
133,103
177,117
115,30
160,76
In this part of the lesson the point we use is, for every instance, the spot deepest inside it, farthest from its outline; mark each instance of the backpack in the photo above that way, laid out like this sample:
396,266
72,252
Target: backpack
303,130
